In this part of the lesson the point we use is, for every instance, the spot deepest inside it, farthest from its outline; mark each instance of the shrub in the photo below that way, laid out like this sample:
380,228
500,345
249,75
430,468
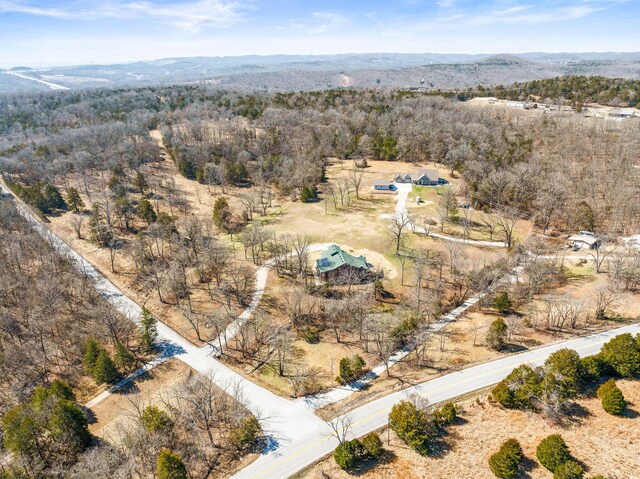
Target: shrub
446,414
506,461
612,398
413,426
552,452
569,470
622,355
520,389
373,445
563,369
593,367
497,334
170,466
155,420
502,302
351,368
246,434
350,454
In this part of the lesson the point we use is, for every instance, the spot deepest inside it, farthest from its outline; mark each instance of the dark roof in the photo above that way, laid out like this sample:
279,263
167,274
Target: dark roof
333,257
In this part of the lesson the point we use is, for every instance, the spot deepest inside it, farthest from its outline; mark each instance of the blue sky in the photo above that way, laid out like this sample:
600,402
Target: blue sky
48,32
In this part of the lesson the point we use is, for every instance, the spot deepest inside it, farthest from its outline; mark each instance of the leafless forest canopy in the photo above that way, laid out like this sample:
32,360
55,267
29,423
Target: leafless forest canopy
566,170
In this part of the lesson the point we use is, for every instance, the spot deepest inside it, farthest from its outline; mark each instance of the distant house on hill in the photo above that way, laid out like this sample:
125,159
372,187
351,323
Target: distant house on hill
382,185
428,177
339,267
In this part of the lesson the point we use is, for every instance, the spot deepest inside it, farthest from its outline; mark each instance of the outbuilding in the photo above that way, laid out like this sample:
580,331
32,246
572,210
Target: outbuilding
584,241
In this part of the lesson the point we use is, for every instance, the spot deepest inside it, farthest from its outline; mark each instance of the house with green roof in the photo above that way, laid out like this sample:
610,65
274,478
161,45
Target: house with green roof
335,265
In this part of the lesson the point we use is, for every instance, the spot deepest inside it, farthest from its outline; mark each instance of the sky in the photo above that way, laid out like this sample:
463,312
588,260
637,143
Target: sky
40,33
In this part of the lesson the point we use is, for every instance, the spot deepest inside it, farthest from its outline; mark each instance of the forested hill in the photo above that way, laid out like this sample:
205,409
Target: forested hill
575,90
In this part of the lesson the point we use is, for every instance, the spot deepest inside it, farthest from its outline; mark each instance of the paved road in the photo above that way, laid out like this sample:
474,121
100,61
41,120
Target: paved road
282,420
53,86
372,416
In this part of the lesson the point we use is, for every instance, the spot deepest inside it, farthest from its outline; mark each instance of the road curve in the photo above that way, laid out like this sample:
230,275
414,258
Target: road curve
282,420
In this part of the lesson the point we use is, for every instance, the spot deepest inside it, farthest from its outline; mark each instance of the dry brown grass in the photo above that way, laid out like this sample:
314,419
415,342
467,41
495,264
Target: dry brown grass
605,444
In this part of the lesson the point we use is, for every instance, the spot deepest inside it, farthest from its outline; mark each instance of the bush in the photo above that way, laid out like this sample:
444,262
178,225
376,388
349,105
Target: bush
373,445
612,398
622,355
569,470
502,302
563,369
593,367
246,434
506,462
519,389
170,466
552,452
497,334
351,368
350,454
446,414
155,420
413,426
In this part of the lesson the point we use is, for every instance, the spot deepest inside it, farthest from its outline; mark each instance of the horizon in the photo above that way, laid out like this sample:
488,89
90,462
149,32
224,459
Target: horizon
46,33
159,59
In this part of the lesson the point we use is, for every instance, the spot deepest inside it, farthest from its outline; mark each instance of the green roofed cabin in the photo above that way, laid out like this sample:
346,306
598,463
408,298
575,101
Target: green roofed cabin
335,265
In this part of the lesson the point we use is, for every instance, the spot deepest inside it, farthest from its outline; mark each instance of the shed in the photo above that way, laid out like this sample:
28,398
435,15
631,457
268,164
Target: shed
587,241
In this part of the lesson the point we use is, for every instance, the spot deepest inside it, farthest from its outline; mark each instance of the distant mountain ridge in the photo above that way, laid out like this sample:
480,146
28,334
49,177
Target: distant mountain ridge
304,72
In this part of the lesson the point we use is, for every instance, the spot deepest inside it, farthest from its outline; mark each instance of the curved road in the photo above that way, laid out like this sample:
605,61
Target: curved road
319,442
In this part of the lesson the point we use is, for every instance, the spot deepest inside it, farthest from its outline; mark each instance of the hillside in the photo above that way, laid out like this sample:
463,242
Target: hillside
311,72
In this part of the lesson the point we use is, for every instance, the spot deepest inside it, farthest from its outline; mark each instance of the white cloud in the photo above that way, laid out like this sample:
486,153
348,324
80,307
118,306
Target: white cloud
327,21
192,15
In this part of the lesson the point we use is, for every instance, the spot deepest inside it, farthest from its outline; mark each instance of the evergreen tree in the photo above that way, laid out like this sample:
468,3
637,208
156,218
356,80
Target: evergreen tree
505,463
612,398
149,330
123,358
53,198
564,373
140,183
146,212
373,445
68,425
170,466
155,420
502,302
569,470
222,215
246,434
622,354
497,334
104,370
74,200
552,452
99,230
91,350
413,426
521,389
349,454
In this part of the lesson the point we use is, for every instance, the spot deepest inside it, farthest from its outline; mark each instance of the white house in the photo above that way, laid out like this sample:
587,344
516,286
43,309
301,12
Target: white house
383,185
584,241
